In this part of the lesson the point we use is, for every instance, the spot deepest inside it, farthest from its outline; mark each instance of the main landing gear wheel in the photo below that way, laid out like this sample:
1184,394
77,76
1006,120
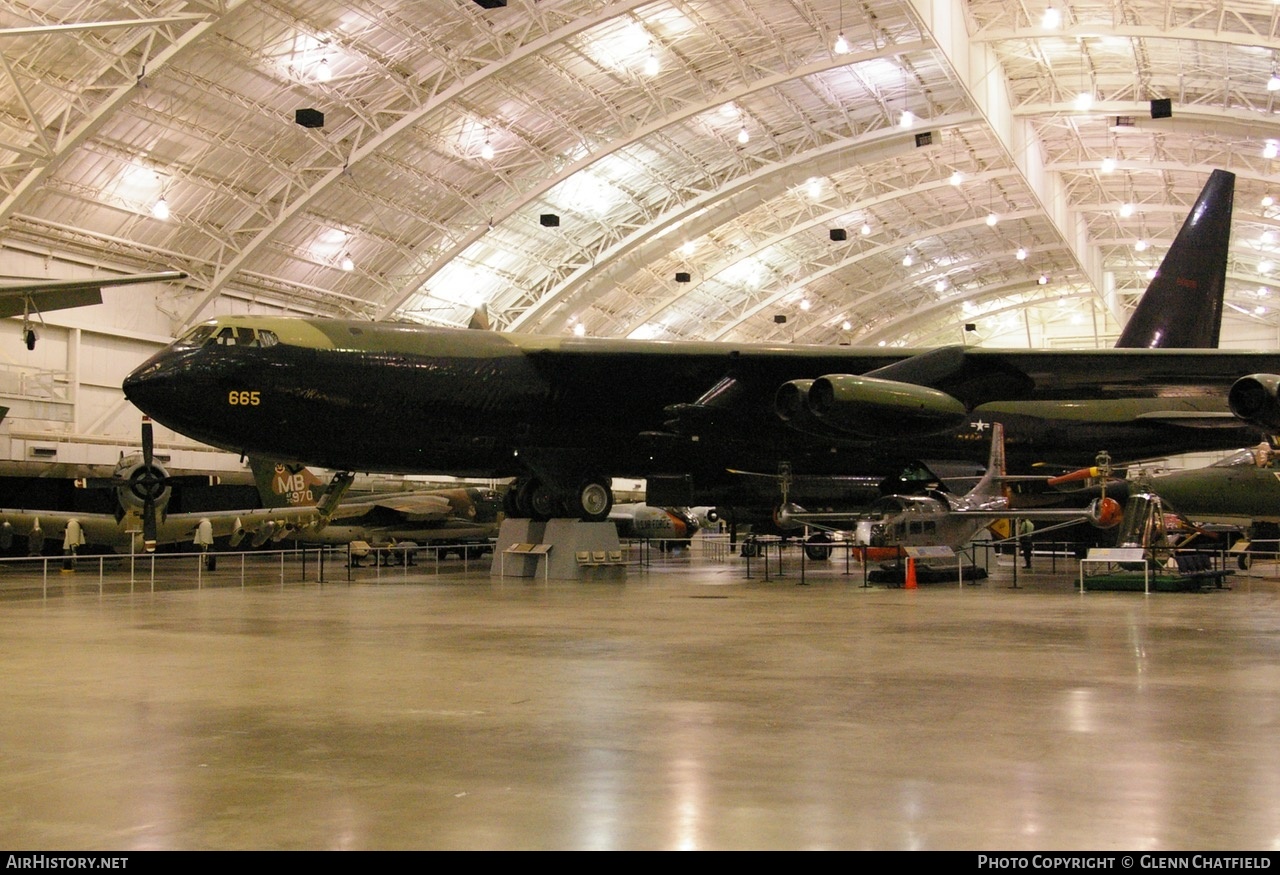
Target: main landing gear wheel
592,500
542,502
522,496
818,547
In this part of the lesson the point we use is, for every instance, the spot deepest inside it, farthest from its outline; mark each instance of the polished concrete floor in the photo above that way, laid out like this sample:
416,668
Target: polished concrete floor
686,707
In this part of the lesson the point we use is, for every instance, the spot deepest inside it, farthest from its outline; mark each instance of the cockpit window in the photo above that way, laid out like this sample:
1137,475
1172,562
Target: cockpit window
227,335
195,337
1260,456
240,335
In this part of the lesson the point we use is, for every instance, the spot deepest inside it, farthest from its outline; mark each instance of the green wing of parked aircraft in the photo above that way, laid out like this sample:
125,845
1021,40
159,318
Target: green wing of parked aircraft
565,415
292,503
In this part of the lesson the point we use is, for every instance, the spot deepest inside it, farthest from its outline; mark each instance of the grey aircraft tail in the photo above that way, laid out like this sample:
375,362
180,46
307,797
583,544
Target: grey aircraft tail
1182,307
993,482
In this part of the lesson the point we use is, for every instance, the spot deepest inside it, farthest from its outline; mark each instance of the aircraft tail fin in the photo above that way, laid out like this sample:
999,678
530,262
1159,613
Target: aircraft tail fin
1182,307
992,483
286,487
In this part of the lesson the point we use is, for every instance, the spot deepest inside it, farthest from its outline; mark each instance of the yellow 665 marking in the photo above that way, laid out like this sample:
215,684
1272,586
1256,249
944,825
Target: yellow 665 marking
244,398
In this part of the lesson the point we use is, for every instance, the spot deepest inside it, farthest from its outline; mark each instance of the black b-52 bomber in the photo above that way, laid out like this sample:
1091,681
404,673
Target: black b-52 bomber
565,415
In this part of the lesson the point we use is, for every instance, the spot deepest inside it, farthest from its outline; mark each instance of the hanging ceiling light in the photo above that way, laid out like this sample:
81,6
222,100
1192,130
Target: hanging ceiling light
1052,19
907,260
1273,84
1108,164
956,177
347,263
1021,254
743,136
842,45
907,119
866,230
992,219
1126,209
1269,151
160,209
651,65
323,71
486,151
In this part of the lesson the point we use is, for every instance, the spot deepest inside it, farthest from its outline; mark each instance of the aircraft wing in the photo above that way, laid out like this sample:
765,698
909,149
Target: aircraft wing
408,506
98,528
46,295
104,530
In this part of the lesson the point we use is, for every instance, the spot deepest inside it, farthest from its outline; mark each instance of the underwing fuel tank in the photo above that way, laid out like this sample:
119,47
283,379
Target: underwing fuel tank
869,406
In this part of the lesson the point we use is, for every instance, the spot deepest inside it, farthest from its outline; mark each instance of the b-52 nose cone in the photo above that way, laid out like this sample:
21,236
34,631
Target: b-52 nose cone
145,387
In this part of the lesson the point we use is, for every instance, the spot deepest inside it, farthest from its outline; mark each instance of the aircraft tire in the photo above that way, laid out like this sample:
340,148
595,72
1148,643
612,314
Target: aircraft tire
818,547
526,490
543,502
510,506
592,500
1245,561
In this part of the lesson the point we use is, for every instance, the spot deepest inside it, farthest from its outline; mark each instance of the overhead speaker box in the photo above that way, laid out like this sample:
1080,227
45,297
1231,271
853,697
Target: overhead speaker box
1162,108
490,4
839,234
924,138
682,276
309,118
549,220
780,319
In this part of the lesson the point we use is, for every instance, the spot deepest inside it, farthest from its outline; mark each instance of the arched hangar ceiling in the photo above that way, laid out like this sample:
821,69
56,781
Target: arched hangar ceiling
702,159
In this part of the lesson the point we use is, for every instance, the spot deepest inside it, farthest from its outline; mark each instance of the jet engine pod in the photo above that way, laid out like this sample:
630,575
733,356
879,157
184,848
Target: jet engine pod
791,401
791,404
872,407
1256,400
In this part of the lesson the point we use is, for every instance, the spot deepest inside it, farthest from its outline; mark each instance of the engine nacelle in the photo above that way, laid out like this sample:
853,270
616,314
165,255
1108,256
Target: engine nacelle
1105,513
872,407
1256,400
791,404
141,480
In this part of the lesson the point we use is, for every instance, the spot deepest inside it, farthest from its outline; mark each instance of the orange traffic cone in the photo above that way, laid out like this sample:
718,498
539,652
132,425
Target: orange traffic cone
910,582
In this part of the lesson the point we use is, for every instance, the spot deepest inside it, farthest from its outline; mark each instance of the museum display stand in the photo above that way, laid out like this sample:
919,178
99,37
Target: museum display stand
559,549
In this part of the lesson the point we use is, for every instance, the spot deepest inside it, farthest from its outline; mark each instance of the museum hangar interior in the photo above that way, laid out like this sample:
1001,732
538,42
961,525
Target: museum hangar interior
825,172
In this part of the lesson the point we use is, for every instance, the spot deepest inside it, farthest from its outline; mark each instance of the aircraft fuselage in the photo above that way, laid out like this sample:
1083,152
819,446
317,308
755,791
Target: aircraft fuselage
412,399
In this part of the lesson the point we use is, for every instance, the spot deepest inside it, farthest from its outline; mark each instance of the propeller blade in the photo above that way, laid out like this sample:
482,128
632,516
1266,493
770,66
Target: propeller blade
147,444
149,525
